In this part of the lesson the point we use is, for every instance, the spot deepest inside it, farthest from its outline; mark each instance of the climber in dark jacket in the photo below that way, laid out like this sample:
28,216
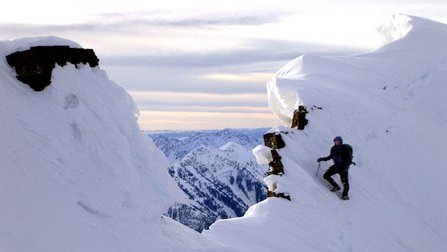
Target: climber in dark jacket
341,154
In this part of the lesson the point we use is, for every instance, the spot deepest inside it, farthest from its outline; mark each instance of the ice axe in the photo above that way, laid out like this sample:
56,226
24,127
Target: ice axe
318,170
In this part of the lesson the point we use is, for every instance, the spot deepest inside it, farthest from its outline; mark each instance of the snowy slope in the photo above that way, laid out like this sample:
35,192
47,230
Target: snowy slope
389,104
76,172
220,181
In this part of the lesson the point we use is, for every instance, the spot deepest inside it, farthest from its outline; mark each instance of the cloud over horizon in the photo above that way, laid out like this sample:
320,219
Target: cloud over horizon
107,22
208,62
253,51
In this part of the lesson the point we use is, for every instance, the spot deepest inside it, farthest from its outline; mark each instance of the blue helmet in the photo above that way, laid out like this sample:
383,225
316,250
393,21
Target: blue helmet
338,138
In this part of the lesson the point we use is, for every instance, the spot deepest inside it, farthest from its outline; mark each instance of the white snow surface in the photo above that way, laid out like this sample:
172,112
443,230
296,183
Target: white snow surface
263,154
389,104
77,174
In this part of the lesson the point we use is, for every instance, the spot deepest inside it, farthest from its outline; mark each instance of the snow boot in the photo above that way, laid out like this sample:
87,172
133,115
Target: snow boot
344,197
335,189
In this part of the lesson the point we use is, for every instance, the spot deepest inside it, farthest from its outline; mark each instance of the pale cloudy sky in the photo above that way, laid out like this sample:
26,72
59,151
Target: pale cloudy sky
204,64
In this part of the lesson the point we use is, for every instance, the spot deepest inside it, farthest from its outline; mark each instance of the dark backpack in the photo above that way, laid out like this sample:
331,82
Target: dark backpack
349,149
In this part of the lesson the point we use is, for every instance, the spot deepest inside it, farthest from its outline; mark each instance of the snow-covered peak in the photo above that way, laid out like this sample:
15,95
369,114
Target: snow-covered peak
212,155
229,145
237,151
175,148
223,182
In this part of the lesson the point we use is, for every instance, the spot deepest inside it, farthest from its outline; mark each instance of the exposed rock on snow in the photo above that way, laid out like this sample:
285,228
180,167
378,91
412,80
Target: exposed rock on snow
299,120
34,66
274,140
276,166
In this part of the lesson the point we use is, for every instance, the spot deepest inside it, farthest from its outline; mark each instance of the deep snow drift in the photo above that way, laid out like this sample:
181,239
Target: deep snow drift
76,172
388,104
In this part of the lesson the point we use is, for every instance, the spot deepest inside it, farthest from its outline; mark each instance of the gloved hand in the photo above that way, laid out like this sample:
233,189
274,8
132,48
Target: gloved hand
320,159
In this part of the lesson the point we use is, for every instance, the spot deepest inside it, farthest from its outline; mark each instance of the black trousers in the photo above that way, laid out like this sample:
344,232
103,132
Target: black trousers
342,170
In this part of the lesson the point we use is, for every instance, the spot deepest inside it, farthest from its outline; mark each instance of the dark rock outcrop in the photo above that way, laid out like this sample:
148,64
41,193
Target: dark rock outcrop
34,66
273,141
279,195
299,118
275,166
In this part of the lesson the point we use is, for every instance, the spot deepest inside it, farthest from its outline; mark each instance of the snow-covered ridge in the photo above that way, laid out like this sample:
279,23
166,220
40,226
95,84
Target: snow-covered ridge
77,173
420,45
176,147
389,104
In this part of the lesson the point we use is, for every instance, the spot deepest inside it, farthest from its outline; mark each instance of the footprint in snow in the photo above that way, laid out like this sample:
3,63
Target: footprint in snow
71,101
